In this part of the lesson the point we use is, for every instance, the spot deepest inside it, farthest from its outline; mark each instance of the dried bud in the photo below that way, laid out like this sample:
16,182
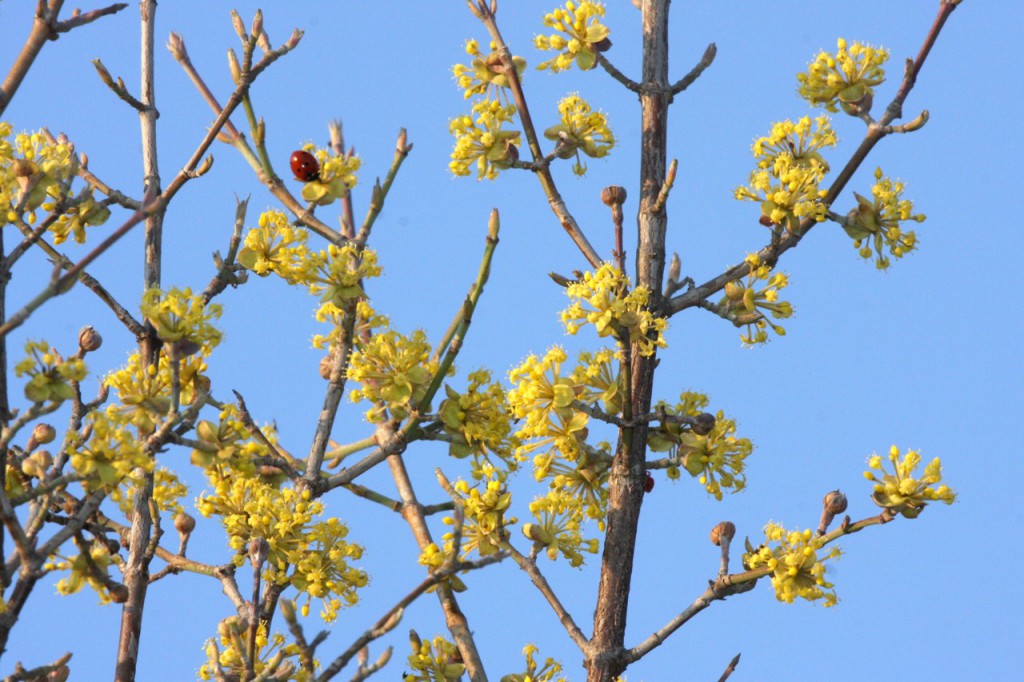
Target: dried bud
118,593
835,502
236,68
89,340
59,674
287,609
326,365
259,548
177,47
766,221
613,194
675,268
603,45
725,529
184,523
22,168
401,146
113,546
703,423
43,434
36,464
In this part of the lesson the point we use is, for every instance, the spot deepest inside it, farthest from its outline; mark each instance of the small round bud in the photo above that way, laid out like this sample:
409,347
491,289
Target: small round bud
59,674
113,546
89,339
259,548
326,364
118,593
184,523
613,194
835,502
703,423
725,529
43,434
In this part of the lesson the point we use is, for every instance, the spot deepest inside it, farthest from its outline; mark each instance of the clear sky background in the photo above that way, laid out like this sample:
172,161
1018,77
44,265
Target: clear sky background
926,356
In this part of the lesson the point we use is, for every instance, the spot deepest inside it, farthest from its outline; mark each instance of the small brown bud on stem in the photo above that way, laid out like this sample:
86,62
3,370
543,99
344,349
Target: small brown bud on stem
721,535
89,340
834,503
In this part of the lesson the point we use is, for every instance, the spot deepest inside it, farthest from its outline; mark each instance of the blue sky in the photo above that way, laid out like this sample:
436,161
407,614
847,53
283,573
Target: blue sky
926,355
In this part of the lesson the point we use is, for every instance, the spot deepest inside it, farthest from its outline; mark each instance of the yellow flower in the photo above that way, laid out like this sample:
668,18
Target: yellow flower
533,673
480,140
180,316
394,372
484,75
581,130
746,304
337,176
559,516
798,141
874,224
340,272
787,190
796,567
478,422
580,35
901,492
436,661
847,77
50,375
275,246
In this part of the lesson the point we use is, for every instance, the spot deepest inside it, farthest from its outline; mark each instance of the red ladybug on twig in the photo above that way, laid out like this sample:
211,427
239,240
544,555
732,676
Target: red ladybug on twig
648,482
305,166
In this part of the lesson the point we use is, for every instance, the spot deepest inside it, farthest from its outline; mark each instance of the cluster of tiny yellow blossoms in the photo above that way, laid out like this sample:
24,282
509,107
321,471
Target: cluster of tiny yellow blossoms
789,170
798,141
585,480
84,212
903,493
614,309
50,375
35,165
874,224
559,516
716,459
273,659
597,379
847,77
580,35
480,140
278,247
145,390
110,454
310,556
533,673
179,316
581,130
434,559
484,528
367,322
394,372
227,446
795,565
543,397
89,567
433,661
478,422
337,176
340,272
746,304
485,75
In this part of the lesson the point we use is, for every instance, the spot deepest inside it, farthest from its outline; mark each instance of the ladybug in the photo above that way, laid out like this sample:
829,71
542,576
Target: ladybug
305,166
648,482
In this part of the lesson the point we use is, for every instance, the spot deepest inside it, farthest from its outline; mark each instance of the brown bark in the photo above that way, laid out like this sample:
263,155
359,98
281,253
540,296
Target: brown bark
607,661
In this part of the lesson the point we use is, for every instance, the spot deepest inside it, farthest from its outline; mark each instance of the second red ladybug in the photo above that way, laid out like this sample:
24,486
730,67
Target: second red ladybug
305,166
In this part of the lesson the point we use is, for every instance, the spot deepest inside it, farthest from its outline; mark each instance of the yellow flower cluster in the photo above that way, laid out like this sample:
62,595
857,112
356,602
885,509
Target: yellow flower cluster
846,77
310,556
433,661
278,247
84,212
110,454
748,305
559,515
798,141
484,528
581,130
478,422
227,446
367,322
273,658
91,568
874,224
545,673
32,161
480,140
433,558
716,459
597,379
145,390
340,272
179,316
543,397
394,371
902,493
337,176
614,310
485,74
49,373
796,568
581,35
586,481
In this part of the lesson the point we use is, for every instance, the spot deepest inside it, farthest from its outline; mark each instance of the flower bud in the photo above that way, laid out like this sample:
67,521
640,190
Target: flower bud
703,423
89,339
287,609
835,502
326,364
613,195
118,593
59,674
725,529
259,548
675,268
184,523
43,434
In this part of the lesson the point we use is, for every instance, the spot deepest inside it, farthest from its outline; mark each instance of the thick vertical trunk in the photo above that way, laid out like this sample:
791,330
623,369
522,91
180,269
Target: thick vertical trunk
627,475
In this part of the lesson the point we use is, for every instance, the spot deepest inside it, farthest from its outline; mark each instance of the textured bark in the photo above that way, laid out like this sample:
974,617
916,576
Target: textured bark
607,661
